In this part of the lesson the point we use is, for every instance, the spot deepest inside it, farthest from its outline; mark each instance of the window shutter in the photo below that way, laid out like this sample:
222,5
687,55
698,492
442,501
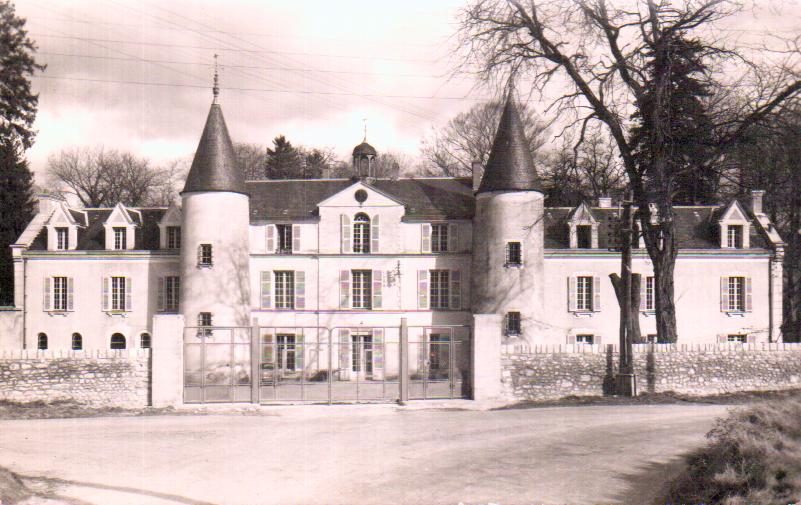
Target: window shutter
344,289
268,350
426,240
378,349
47,300
295,237
70,294
749,298
596,294
128,294
596,339
722,338
571,294
200,254
571,339
374,234
422,289
453,237
160,296
271,238
300,289
344,353
724,294
345,233
106,300
300,349
378,277
643,293
455,289
266,289
422,355
750,338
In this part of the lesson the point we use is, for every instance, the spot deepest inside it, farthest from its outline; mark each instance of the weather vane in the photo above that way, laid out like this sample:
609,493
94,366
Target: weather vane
364,120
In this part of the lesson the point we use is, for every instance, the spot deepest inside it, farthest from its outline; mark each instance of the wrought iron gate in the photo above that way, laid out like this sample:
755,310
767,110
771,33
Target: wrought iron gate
325,365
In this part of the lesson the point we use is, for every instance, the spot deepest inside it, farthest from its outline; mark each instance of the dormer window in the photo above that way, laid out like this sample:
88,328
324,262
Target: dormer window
173,237
284,238
584,236
120,238
361,233
62,239
734,236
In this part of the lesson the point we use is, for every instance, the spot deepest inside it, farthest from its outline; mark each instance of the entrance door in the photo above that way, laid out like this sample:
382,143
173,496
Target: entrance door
439,356
361,362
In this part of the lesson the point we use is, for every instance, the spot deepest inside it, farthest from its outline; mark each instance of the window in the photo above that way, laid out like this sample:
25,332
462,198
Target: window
362,353
512,323
285,290
144,341
62,239
77,342
204,257
650,296
286,352
736,294
120,238
204,319
172,292
41,342
584,294
439,238
173,237
361,233
440,289
362,289
585,339
584,236
514,254
118,341
737,338
59,293
734,236
118,293
284,238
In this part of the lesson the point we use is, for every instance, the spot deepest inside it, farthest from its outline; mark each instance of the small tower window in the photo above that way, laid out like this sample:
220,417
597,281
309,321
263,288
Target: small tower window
144,340
512,323
204,322
62,239
204,255
41,342
118,341
514,254
77,342
584,236
361,233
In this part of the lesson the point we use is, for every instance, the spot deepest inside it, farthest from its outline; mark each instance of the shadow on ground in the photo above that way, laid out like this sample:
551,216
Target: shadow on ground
648,484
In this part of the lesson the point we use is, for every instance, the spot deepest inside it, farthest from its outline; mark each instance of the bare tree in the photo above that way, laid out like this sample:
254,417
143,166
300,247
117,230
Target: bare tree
468,137
252,158
101,177
634,69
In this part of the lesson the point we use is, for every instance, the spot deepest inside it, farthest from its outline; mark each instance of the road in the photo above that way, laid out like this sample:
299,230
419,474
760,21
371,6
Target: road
358,455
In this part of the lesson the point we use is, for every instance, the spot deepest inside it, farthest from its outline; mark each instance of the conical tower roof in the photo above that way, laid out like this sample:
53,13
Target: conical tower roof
510,166
215,167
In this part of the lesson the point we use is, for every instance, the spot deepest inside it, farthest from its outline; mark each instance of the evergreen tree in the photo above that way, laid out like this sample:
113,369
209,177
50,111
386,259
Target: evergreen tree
18,106
283,160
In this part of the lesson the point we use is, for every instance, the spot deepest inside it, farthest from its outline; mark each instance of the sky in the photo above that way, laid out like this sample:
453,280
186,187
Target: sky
138,75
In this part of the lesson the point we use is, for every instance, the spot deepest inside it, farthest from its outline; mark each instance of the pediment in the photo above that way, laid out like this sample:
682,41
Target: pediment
62,216
120,215
348,197
582,214
734,213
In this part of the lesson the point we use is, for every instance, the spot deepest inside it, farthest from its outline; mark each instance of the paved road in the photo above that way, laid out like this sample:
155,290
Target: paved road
358,455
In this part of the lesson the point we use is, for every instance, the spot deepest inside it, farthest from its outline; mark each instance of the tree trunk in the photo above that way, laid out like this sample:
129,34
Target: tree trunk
634,314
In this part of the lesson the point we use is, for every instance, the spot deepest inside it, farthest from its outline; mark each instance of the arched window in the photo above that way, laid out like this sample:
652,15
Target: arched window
118,341
361,233
77,342
41,342
144,340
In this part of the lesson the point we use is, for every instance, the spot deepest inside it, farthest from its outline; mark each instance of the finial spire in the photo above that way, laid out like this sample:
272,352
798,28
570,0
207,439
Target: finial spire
216,89
364,120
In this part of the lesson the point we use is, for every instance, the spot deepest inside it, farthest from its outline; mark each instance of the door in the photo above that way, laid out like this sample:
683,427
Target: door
361,362
439,356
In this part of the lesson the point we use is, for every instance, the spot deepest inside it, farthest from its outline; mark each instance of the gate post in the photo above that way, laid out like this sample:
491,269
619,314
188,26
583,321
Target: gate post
403,366
487,334
255,362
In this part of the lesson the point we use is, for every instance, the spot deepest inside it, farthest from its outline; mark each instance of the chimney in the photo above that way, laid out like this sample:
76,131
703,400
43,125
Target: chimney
605,202
756,201
478,172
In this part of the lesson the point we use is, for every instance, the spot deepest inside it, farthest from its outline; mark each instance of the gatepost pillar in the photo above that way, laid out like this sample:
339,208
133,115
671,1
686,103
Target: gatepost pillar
487,356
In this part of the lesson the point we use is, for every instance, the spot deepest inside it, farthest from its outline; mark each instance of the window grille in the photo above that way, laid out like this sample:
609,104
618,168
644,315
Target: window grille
284,238
440,289
361,233
204,258
120,238
362,289
512,323
585,339
173,237
145,341
285,290
41,342
172,293
118,293
77,342
650,295
62,239
584,293
118,341
736,294
514,254
439,237
59,293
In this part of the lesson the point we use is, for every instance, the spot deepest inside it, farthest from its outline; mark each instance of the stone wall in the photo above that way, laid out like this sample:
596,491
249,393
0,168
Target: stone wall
550,372
99,379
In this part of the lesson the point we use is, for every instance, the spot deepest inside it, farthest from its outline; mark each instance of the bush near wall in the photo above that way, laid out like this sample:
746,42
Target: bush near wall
552,372
94,378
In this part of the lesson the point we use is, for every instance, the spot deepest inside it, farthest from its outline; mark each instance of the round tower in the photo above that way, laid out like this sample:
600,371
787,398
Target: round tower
215,259
507,273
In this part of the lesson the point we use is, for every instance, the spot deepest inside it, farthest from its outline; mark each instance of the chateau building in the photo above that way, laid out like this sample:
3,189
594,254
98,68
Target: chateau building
366,252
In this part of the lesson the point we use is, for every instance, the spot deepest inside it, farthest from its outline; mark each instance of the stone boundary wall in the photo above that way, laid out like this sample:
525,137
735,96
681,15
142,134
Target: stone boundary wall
551,372
101,378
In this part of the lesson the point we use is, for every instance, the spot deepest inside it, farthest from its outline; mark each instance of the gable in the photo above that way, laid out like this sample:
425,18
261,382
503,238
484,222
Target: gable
348,197
734,213
120,215
582,214
61,216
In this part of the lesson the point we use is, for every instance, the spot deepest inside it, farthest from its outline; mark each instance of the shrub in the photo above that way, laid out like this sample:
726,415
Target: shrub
753,456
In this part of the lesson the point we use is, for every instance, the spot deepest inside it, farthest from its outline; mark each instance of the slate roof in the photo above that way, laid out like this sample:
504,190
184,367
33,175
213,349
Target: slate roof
510,165
215,166
364,149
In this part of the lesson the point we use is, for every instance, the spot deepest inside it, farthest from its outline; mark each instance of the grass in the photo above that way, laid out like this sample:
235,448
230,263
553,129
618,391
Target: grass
65,409
753,457
12,489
